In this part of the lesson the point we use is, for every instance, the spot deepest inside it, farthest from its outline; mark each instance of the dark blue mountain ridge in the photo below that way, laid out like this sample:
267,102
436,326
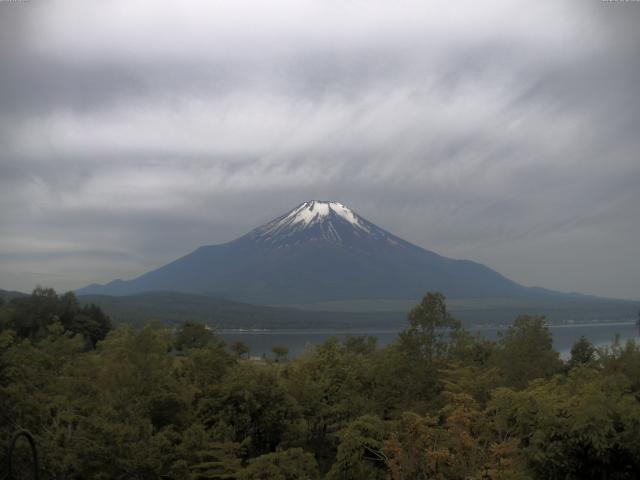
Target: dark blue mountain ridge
319,251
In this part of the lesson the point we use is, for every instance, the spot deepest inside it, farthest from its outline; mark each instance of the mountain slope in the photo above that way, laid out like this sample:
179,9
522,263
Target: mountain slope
318,251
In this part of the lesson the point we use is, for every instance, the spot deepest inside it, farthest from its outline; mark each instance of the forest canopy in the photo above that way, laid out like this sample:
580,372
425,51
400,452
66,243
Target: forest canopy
438,403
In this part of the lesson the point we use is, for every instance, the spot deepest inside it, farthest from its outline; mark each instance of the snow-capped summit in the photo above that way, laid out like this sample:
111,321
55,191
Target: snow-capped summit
316,211
317,220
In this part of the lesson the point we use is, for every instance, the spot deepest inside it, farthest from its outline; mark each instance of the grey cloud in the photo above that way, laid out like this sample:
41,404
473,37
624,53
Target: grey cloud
126,144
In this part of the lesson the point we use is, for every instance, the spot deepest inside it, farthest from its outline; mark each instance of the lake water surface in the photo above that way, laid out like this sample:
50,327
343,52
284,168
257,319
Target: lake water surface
261,342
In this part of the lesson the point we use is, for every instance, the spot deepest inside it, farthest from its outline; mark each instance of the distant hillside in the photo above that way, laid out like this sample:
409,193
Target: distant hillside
173,307
8,295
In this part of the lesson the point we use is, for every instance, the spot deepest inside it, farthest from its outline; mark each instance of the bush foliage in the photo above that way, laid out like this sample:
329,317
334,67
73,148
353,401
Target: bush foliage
438,403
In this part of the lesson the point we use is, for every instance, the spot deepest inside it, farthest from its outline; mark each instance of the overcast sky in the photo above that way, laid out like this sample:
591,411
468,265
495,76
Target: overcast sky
505,132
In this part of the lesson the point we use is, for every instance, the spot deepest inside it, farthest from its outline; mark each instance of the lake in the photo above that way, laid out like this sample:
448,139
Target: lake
260,342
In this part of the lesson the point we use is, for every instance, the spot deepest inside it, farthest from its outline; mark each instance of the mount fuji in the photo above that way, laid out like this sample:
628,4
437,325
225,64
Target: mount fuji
319,251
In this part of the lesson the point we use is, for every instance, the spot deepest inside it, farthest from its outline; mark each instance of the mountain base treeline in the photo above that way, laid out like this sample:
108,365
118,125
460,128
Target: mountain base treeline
438,403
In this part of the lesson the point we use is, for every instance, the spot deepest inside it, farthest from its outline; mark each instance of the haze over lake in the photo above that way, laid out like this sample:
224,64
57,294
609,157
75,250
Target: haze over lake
300,341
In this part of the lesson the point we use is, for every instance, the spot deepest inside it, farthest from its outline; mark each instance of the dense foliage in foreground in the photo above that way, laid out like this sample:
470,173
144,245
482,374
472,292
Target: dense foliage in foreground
436,404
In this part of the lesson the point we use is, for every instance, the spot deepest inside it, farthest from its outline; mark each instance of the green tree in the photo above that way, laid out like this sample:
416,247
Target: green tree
622,359
34,313
90,322
525,352
291,464
250,403
332,387
470,368
204,368
30,317
583,426
430,328
411,369
582,353
200,456
240,348
192,335
362,345
360,451
413,449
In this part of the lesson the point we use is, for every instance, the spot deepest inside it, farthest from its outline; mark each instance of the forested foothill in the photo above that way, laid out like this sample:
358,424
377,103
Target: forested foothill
438,403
